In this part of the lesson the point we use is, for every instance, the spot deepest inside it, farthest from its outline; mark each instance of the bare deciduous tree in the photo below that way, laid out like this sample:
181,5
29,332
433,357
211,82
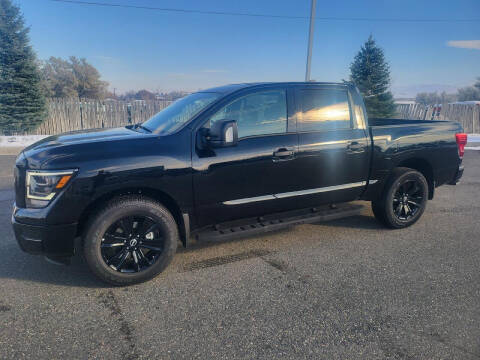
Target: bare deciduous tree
72,78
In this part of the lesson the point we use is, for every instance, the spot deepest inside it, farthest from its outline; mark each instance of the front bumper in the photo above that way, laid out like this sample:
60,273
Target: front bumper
457,176
57,240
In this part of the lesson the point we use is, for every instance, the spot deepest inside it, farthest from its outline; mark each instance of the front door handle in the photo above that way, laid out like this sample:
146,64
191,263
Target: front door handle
283,154
355,147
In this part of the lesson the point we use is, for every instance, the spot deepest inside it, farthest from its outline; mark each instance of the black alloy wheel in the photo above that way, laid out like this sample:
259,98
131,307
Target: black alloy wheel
130,239
403,198
408,199
132,244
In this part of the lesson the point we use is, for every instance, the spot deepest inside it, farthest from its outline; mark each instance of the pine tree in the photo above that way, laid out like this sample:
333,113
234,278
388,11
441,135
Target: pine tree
371,74
22,105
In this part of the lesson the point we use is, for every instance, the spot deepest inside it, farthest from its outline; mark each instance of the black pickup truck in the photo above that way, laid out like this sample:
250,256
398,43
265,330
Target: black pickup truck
228,161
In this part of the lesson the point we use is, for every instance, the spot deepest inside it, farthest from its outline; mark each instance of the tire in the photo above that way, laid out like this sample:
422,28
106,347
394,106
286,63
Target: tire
403,200
141,245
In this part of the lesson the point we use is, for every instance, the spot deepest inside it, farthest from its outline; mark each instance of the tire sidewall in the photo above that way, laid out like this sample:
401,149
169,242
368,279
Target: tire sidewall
392,219
114,212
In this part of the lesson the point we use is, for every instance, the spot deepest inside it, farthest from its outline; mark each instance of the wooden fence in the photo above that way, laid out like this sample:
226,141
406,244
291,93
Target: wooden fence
466,114
67,115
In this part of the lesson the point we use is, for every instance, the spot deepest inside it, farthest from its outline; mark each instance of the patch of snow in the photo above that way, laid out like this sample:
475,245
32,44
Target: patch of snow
472,147
472,138
19,141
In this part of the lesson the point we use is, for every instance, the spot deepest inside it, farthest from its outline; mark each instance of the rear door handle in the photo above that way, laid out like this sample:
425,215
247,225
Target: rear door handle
356,147
283,154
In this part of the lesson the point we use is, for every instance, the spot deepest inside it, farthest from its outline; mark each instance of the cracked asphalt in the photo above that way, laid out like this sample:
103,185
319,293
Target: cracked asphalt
347,289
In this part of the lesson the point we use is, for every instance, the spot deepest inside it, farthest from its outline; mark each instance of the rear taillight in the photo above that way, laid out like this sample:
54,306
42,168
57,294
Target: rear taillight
461,142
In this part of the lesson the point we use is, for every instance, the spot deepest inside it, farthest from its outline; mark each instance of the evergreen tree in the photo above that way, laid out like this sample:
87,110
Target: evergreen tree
22,105
371,74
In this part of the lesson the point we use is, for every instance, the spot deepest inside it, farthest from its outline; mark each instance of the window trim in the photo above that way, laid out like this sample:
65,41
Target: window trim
299,106
253,92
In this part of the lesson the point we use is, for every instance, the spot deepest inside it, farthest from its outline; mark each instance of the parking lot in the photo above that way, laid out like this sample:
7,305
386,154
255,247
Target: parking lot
346,289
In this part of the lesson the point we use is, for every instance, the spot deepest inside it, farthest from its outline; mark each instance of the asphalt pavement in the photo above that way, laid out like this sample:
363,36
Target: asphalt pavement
347,289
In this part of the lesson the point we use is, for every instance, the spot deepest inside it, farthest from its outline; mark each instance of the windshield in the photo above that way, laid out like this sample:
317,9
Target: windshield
180,112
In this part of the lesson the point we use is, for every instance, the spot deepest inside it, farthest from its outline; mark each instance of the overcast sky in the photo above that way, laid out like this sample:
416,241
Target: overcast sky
163,50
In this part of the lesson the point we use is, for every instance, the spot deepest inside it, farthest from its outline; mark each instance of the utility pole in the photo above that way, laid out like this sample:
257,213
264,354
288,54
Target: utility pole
310,39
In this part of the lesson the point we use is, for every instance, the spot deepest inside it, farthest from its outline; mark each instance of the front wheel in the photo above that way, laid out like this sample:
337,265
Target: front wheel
404,199
131,240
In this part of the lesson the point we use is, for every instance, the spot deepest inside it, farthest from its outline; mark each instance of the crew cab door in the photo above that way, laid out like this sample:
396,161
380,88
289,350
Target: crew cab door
239,181
334,151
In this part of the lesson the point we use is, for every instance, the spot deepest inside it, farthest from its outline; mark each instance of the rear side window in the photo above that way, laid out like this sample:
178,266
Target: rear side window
323,109
260,113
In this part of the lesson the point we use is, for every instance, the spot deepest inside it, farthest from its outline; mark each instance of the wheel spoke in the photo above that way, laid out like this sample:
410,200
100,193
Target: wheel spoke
155,242
142,226
120,257
115,257
135,260
126,224
142,257
122,260
112,245
410,210
150,247
414,203
398,210
150,229
413,189
114,238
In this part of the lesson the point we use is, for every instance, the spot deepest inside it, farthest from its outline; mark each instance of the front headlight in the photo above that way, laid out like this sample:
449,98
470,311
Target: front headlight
42,186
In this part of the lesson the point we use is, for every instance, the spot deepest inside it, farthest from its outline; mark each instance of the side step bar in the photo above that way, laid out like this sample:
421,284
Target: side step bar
276,221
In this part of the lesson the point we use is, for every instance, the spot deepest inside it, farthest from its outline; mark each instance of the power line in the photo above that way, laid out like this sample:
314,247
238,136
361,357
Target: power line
248,14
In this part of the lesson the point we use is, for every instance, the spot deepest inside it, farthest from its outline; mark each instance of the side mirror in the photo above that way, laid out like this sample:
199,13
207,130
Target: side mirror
223,133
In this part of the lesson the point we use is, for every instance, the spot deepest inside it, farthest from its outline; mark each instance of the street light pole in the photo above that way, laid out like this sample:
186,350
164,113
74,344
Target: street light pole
310,39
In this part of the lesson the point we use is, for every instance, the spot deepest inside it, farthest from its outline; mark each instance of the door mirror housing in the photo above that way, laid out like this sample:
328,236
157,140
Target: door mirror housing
223,133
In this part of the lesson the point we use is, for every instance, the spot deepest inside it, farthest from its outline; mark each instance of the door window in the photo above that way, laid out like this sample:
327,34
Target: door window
323,109
261,113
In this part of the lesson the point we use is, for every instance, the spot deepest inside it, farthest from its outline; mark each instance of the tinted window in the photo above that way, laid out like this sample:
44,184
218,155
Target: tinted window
180,112
324,110
260,113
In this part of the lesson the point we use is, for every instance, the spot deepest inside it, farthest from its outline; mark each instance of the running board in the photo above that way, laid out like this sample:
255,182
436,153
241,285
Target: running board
276,221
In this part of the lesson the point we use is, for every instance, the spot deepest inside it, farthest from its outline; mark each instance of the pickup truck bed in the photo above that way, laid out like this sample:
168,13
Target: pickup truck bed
428,146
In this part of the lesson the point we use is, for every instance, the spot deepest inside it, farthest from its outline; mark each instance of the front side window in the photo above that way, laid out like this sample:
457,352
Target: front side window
261,113
324,109
179,113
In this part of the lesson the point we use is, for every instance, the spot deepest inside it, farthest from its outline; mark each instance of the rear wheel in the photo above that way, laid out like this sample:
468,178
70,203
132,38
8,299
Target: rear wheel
131,240
403,200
